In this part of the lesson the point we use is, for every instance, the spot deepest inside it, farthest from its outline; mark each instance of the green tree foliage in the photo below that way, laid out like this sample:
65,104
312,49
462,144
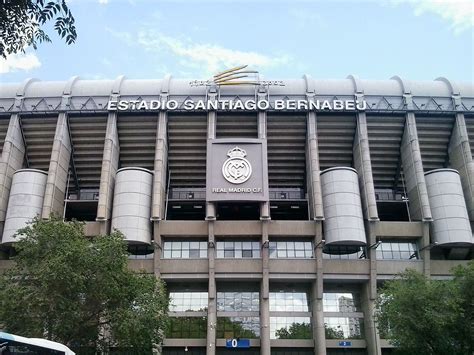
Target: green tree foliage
79,291
295,331
423,316
228,327
21,21
332,333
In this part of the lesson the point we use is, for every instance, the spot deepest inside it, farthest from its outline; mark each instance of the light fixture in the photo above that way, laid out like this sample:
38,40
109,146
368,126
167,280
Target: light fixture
375,245
429,246
265,244
320,244
186,348
155,245
211,244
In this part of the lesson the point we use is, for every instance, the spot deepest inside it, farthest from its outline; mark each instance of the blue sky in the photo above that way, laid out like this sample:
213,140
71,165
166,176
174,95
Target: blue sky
416,39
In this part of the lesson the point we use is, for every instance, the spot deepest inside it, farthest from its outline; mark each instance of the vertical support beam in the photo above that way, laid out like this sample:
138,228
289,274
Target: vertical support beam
460,158
370,295
312,167
212,294
262,134
319,334
363,165
13,155
317,214
371,333
158,248
211,134
161,156
110,164
426,252
58,169
265,348
413,172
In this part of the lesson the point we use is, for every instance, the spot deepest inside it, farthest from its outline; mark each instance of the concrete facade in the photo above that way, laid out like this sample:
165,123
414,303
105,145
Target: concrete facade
396,212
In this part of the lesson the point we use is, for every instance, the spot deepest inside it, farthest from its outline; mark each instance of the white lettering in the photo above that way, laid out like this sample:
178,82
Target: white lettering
338,105
123,105
212,105
326,105
302,105
361,105
189,105
238,105
263,105
250,105
171,105
112,106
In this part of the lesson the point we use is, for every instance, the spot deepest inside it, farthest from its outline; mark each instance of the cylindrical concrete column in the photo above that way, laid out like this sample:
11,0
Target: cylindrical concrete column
451,226
132,204
344,224
25,202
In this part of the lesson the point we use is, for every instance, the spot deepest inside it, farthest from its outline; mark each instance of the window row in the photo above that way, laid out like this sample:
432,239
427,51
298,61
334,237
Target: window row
238,301
344,327
184,249
290,328
392,250
289,302
188,301
248,301
238,249
341,302
280,328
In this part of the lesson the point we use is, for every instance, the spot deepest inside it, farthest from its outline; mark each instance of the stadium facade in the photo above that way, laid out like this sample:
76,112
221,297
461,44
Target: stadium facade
274,211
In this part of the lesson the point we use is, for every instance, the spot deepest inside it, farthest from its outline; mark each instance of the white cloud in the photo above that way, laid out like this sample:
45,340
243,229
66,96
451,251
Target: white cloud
206,58
19,61
103,2
459,13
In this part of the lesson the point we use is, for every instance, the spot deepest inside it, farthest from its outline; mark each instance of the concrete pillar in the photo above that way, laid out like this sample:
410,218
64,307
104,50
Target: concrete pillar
319,334
413,172
426,252
371,333
13,155
212,293
158,248
460,158
370,295
160,177
58,169
262,134
265,348
363,165
110,164
211,134
312,167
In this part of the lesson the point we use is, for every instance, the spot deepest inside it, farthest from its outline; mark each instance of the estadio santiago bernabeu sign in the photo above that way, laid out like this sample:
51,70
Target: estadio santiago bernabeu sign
237,170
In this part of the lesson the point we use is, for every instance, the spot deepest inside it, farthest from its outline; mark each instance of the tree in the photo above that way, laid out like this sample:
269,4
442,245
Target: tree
332,333
295,331
21,21
423,316
79,291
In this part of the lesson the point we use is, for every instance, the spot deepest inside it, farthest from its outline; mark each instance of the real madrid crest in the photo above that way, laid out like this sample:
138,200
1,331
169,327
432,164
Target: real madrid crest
236,169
